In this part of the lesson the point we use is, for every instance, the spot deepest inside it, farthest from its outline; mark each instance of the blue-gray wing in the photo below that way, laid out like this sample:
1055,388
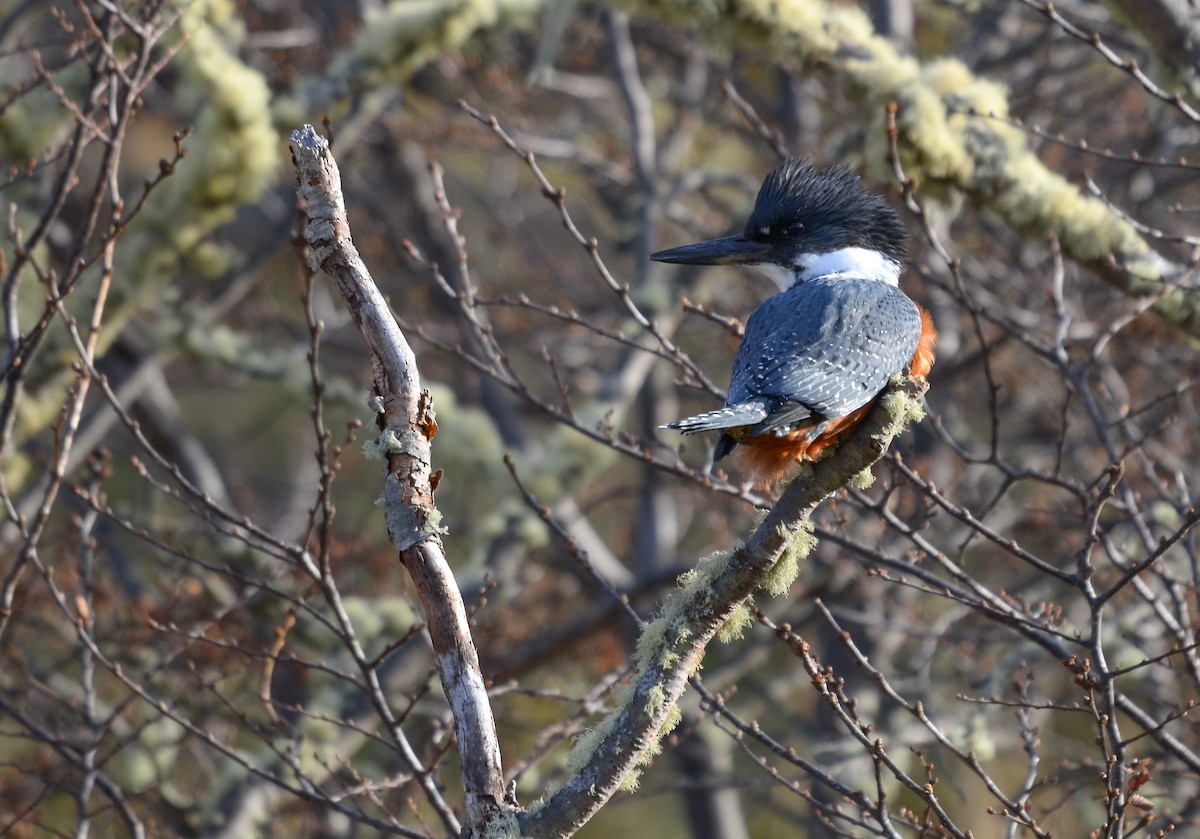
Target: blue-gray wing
823,348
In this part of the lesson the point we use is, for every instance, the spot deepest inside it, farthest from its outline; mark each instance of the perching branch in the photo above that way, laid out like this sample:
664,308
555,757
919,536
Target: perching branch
406,423
711,597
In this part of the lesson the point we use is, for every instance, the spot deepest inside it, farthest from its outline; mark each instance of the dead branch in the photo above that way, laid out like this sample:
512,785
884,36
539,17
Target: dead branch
406,424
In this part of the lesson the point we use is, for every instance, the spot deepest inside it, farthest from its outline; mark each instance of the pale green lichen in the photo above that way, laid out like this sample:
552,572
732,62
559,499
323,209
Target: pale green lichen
903,408
658,649
630,782
652,639
233,153
695,585
739,620
656,700
399,38
586,743
798,542
863,480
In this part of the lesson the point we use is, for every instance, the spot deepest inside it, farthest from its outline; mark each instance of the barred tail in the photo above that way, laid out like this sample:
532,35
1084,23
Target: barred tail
731,416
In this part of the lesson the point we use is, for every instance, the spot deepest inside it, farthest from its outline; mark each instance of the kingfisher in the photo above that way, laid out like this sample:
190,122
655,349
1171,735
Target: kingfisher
815,356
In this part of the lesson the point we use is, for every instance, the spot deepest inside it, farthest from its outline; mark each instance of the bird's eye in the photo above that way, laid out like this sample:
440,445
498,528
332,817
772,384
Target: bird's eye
793,229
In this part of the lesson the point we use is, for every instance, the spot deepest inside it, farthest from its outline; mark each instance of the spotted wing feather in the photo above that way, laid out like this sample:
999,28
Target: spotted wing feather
749,412
822,349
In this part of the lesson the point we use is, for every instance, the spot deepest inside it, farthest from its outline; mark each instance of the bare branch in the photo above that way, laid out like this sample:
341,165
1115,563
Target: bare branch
406,422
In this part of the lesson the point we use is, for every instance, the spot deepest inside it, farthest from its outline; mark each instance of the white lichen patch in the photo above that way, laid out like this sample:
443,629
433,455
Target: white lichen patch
380,446
503,826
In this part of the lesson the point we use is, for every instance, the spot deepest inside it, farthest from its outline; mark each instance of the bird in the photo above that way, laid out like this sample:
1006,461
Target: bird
815,356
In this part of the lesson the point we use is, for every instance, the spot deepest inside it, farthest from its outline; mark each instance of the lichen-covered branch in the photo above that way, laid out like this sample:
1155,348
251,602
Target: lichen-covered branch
396,40
233,149
710,599
406,423
949,134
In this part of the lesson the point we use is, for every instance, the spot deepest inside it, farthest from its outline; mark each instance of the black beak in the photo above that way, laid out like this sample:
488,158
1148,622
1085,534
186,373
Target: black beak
729,250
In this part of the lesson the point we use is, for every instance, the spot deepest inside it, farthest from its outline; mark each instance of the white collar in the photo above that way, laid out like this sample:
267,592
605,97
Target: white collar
859,262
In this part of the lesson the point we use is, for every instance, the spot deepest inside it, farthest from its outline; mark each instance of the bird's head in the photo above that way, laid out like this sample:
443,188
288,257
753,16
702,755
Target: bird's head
807,223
